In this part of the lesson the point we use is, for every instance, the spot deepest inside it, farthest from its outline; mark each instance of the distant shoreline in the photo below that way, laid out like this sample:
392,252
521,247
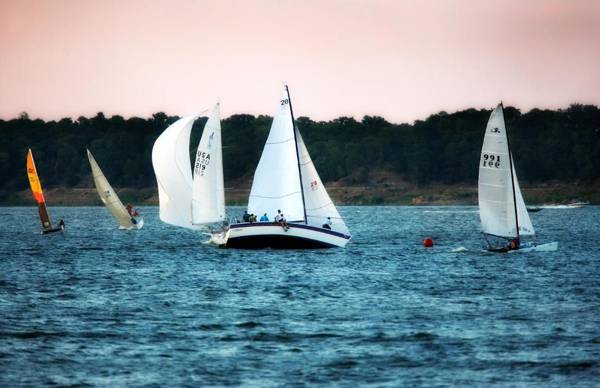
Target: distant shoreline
403,194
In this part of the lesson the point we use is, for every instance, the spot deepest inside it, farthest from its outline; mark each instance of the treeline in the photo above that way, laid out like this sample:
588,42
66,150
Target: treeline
547,145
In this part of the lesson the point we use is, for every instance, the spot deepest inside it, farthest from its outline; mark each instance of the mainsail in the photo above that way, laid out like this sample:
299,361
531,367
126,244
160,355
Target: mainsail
318,204
36,189
276,184
208,195
497,182
108,195
171,162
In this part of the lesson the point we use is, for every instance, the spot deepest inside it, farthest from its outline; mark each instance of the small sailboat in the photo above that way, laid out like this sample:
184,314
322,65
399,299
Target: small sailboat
286,179
38,195
126,217
501,206
187,200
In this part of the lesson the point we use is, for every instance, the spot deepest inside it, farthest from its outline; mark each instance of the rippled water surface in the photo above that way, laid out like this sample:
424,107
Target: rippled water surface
101,306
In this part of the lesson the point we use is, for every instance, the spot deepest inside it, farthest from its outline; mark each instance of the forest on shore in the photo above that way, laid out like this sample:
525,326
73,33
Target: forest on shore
548,146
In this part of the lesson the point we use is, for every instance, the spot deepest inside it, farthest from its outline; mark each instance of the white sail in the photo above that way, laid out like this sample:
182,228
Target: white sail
318,203
276,184
108,195
171,162
525,225
208,195
496,203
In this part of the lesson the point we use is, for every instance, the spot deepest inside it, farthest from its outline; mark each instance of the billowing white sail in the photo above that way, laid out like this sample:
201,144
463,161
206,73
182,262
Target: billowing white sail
318,204
108,195
208,196
276,182
496,203
171,162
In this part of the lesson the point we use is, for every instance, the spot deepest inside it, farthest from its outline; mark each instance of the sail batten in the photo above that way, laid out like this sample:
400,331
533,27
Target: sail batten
501,204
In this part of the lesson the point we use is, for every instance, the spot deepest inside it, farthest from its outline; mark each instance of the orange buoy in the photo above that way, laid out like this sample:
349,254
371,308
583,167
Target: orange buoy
427,242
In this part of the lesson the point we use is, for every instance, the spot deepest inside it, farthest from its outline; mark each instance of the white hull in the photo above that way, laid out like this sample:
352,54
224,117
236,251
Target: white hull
270,235
139,225
548,247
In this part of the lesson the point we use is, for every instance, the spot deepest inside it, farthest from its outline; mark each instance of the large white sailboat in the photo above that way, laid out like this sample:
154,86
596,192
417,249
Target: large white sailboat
501,206
125,216
189,200
286,180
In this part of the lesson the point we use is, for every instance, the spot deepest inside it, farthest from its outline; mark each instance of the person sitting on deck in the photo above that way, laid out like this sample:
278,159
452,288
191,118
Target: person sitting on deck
264,218
132,212
252,218
246,216
328,223
284,223
514,244
278,216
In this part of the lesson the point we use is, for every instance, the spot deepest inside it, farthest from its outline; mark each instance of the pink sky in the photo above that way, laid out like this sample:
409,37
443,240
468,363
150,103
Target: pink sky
402,60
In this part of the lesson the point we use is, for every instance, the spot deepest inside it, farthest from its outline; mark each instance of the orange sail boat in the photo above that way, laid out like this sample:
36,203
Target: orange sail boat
38,195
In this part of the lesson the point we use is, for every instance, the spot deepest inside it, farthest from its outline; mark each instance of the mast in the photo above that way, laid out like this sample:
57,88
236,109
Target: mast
512,178
297,154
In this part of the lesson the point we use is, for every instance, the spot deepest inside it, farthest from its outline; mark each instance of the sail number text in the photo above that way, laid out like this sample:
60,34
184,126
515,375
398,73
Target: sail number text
202,161
285,102
490,160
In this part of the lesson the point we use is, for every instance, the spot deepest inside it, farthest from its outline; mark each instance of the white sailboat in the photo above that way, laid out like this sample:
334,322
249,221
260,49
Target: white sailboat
190,200
111,200
501,206
286,179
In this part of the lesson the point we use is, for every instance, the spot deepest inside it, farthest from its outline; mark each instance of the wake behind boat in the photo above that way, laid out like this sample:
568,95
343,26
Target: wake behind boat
127,217
501,206
286,186
38,195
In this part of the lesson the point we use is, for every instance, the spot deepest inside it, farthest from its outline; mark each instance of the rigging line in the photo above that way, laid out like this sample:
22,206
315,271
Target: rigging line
297,153
321,207
267,197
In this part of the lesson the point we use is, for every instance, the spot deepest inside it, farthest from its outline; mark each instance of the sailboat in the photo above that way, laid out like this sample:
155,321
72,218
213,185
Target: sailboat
501,206
125,216
286,179
38,195
187,200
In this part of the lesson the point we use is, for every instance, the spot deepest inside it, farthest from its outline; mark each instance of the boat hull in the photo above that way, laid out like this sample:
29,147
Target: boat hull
53,230
528,247
271,235
136,226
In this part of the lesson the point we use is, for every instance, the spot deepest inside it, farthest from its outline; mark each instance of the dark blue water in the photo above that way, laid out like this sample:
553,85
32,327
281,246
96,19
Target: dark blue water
101,306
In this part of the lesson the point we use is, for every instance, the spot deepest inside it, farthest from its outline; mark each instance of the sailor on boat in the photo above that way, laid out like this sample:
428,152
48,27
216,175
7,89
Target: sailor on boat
132,213
328,223
264,218
280,219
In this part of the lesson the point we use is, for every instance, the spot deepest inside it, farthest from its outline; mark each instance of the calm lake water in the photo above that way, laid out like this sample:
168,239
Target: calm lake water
101,306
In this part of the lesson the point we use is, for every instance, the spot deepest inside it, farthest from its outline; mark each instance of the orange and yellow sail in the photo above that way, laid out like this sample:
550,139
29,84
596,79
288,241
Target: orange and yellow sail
34,180
36,189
